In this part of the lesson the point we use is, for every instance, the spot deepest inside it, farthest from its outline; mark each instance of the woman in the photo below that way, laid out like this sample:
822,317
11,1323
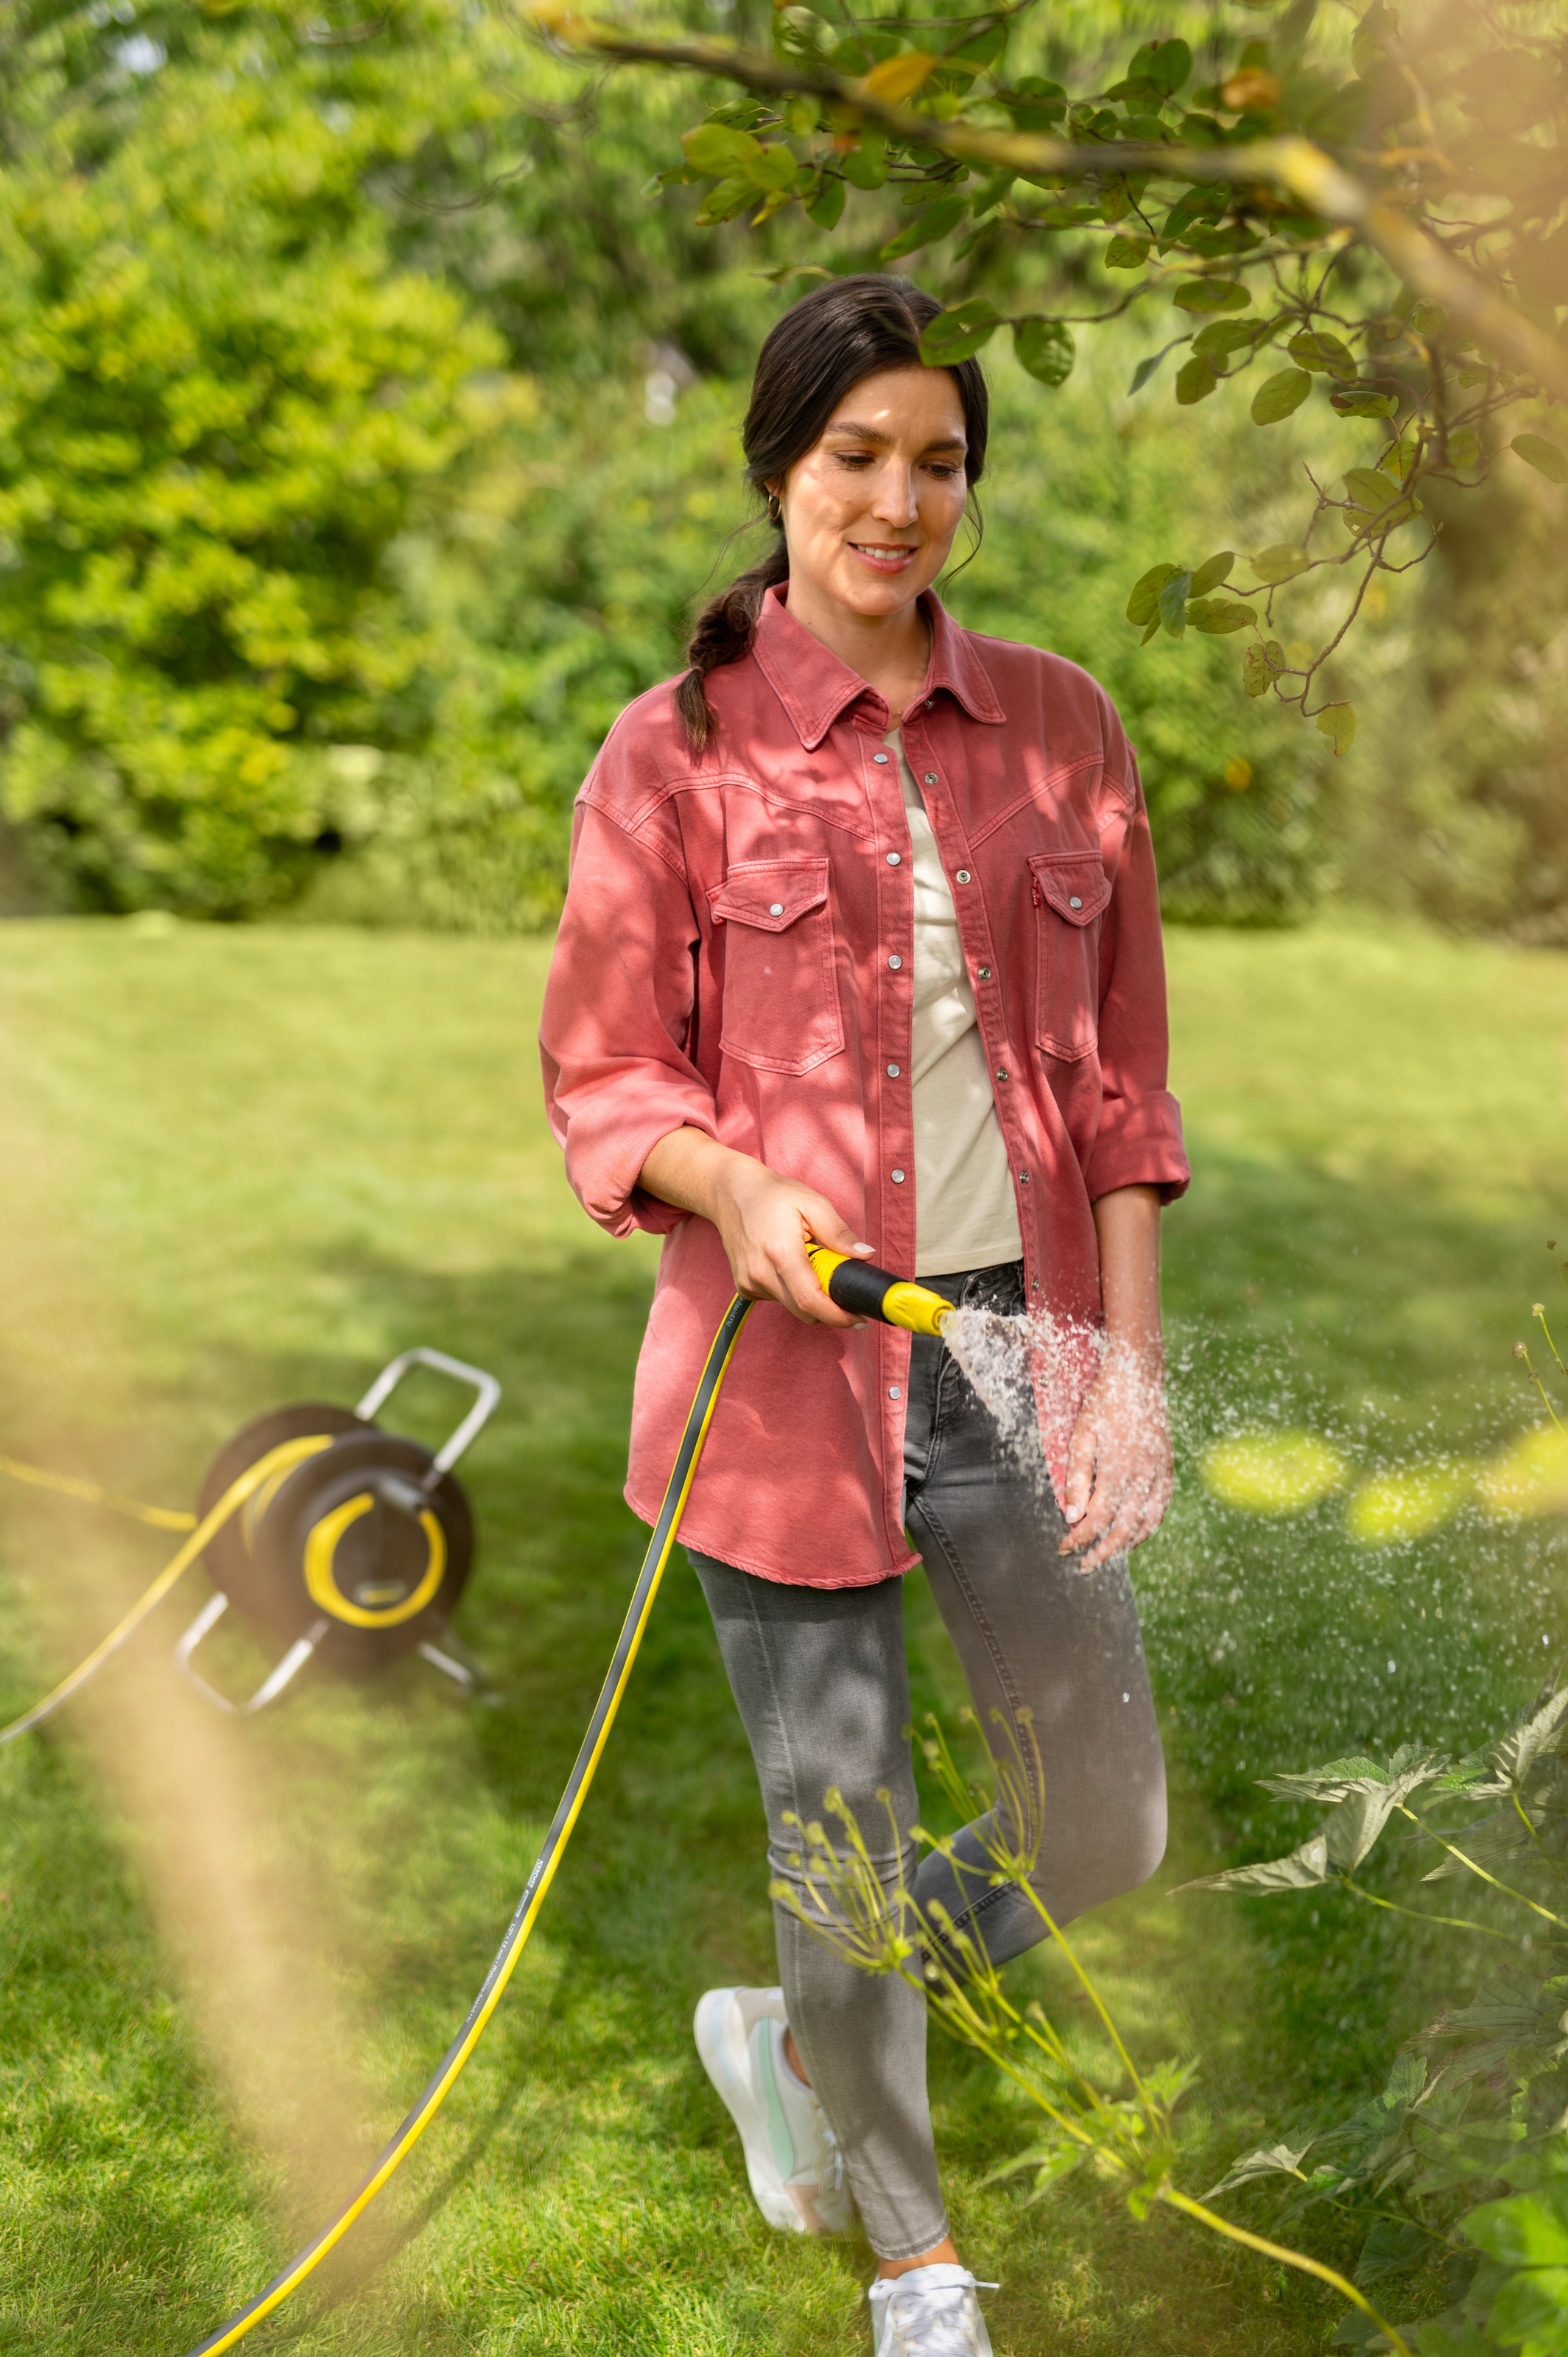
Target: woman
862,944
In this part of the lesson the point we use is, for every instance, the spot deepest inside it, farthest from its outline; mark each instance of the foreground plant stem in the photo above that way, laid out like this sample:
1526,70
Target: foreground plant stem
1507,1888
1452,1922
1289,2258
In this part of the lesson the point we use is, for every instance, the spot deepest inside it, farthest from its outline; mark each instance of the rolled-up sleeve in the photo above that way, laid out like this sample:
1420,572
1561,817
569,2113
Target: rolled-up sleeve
618,1021
1139,1141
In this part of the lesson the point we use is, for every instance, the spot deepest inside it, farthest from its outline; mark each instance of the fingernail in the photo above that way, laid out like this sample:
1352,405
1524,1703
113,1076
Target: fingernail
1076,1513
860,1248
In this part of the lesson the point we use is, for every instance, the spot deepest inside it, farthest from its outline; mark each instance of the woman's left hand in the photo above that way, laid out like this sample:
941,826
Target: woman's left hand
1119,1465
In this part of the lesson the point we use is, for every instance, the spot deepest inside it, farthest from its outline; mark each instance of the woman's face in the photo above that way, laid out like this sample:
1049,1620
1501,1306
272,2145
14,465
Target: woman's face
870,512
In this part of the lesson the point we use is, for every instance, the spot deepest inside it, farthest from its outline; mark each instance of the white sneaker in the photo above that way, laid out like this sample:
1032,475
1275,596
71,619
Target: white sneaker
791,2155
929,2312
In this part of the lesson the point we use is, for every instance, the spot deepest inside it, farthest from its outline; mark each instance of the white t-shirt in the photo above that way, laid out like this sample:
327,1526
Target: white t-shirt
966,1212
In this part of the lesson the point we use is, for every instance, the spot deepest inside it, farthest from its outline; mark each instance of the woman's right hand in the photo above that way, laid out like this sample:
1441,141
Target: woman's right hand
764,1219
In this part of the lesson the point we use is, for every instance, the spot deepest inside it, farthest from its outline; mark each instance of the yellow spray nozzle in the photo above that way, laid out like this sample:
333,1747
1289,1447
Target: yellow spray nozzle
869,1292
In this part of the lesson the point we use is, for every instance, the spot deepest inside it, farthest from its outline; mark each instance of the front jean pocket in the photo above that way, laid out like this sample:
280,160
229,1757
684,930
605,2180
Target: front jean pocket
780,986
1070,892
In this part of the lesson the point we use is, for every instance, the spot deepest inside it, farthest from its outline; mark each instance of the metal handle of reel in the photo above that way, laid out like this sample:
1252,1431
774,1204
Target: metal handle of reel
473,1424
271,1686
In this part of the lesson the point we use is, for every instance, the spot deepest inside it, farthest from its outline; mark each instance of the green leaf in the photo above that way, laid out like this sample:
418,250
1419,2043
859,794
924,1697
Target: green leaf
1144,371
1211,295
1363,401
1224,336
1143,604
954,335
1527,2230
826,208
1305,1868
1544,457
1126,254
1270,2160
865,167
1370,489
1210,574
1543,1732
1280,396
1465,449
1217,615
773,169
725,200
1533,2307
1393,2245
1429,319
1046,348
1164,64
1312,350
1196,379
934,222
1257,671
1281,562
719,152
1337,723
1171,602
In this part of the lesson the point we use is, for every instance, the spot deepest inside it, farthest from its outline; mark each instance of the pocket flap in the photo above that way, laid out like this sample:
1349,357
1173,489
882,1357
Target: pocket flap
770,893
1074,883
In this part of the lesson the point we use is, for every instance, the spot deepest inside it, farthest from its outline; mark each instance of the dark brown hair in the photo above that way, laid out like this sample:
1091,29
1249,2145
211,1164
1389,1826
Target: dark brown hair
825,345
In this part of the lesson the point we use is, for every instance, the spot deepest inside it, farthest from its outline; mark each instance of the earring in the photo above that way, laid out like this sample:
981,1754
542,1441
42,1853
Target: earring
775,508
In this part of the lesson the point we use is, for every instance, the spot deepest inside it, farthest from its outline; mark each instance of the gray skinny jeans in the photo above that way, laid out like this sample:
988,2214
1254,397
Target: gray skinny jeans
819,1678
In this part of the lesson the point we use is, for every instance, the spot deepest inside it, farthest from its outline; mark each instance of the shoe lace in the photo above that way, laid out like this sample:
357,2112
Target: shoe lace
933,2320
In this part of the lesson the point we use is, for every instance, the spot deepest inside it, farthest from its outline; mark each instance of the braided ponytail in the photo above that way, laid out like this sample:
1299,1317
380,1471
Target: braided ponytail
723,632
825,345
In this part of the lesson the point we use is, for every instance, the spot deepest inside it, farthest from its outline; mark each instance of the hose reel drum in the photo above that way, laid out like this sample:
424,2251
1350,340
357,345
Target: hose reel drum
355,1546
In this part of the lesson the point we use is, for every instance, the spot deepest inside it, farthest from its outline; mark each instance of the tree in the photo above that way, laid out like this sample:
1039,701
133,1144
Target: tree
1375,221
218,403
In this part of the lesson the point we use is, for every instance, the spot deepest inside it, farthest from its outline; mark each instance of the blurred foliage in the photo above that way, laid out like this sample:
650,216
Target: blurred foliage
368,422
1373,211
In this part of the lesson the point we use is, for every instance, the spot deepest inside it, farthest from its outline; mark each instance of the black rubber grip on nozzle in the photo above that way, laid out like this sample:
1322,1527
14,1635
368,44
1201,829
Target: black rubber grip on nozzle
861,1289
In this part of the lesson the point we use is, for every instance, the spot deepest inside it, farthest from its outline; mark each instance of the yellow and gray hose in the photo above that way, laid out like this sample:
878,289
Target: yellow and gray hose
867,1292
446,2075
855,1286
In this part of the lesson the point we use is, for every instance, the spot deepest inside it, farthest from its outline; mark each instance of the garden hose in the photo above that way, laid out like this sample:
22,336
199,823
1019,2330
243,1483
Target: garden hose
853,1286
201,1536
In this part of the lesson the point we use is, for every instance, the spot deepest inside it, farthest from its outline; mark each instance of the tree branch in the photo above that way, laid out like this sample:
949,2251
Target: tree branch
1291,163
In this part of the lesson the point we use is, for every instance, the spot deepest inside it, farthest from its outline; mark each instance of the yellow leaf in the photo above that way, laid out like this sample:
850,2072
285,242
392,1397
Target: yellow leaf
1273,1472
1409,1501
1531,1477
896,79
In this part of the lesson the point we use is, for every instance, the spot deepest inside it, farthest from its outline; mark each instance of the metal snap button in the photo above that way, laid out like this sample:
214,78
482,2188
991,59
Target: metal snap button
893,859
1022,1178
894,1391
879,758
931,777
893,1071
895,963
898,1177
1075,902
963,875
1002,1071
984,973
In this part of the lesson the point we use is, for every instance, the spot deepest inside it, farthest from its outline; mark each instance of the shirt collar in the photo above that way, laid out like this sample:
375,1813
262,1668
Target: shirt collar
815,686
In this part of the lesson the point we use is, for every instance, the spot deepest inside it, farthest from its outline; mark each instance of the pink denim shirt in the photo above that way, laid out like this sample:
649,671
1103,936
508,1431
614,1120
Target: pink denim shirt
736,953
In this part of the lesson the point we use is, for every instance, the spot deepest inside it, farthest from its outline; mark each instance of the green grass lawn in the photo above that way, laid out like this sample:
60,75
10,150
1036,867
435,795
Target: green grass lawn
246,1167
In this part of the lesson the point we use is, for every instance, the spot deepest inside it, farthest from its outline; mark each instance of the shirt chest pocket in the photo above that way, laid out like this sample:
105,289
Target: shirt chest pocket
781,1006
1071,891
